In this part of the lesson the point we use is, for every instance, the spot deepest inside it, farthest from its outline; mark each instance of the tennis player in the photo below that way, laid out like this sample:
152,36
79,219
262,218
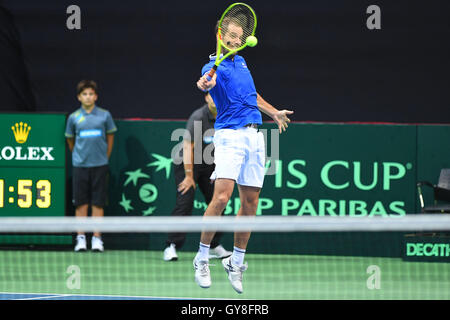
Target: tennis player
239,151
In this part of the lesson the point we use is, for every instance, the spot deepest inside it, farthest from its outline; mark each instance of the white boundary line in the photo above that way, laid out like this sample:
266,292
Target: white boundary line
55,295
43,298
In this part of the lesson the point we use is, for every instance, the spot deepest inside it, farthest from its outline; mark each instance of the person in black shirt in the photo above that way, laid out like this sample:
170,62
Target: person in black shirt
190,172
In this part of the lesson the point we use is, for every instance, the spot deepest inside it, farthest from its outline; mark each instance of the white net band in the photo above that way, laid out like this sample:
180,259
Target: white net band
410,222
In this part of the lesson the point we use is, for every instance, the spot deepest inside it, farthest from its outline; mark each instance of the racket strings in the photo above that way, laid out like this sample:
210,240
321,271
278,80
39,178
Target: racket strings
238,23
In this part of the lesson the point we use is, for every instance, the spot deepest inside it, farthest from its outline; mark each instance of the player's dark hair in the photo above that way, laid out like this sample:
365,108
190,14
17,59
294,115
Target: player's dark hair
87,84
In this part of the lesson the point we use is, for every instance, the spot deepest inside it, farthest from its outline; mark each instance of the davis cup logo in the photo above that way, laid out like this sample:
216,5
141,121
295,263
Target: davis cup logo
139,195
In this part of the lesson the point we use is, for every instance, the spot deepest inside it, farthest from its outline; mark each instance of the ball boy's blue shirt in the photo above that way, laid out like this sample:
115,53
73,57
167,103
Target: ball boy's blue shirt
234,94
89,131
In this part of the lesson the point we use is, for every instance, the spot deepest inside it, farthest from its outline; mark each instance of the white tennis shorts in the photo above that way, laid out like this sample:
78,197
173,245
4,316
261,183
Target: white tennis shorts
240,155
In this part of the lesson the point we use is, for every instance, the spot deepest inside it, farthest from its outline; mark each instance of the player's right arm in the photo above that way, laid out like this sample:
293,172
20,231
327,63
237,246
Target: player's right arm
205,85
188,163
70,143
188,157
70,132
188,154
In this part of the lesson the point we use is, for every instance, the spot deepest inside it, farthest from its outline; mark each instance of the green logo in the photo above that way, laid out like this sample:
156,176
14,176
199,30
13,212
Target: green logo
428,249
148,193
138,191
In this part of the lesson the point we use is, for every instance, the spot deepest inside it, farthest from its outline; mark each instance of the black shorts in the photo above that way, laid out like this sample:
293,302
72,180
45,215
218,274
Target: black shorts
90,186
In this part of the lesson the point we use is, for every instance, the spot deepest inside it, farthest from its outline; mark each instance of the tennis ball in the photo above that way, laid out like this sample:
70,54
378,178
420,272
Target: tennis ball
252,41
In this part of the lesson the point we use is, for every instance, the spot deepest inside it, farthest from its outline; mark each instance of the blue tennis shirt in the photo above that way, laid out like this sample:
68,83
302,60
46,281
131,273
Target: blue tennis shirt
89,131
234,94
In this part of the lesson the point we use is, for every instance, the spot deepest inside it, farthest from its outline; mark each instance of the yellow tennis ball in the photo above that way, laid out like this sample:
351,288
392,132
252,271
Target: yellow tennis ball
252,41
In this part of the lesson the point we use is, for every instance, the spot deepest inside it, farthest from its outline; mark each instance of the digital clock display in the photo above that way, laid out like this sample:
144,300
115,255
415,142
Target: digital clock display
32,165
33,192
25,193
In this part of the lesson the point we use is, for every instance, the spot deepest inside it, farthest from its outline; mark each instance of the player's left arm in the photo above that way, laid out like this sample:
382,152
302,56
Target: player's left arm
110,128
110,143
280,117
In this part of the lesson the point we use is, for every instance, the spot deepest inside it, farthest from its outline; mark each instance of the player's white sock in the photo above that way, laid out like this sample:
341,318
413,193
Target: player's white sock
203,252
237,258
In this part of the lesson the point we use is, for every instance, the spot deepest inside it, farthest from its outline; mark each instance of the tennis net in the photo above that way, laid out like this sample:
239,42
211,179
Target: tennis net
289,258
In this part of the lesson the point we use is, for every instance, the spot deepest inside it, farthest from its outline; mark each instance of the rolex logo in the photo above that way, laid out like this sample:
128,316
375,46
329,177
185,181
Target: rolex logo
21,131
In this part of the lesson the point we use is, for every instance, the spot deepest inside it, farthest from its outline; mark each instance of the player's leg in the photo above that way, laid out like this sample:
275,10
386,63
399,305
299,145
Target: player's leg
222,193
250,181
81,211
97,212
207,189
183,207
80,199
234,265
249,197
99,185
223,188
229,155
97,242
228,158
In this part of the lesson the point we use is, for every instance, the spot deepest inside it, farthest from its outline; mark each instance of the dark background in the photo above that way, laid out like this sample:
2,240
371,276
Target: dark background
316,57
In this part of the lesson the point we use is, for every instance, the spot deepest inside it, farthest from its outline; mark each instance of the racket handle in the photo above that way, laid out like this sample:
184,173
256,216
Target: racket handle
210,74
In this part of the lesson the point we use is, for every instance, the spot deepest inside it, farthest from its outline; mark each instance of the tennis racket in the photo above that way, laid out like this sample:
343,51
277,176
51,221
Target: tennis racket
236,31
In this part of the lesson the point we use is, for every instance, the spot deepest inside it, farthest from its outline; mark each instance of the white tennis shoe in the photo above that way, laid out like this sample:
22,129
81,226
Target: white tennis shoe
202,273
219,252
97,244
234,274
81,243
170,254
